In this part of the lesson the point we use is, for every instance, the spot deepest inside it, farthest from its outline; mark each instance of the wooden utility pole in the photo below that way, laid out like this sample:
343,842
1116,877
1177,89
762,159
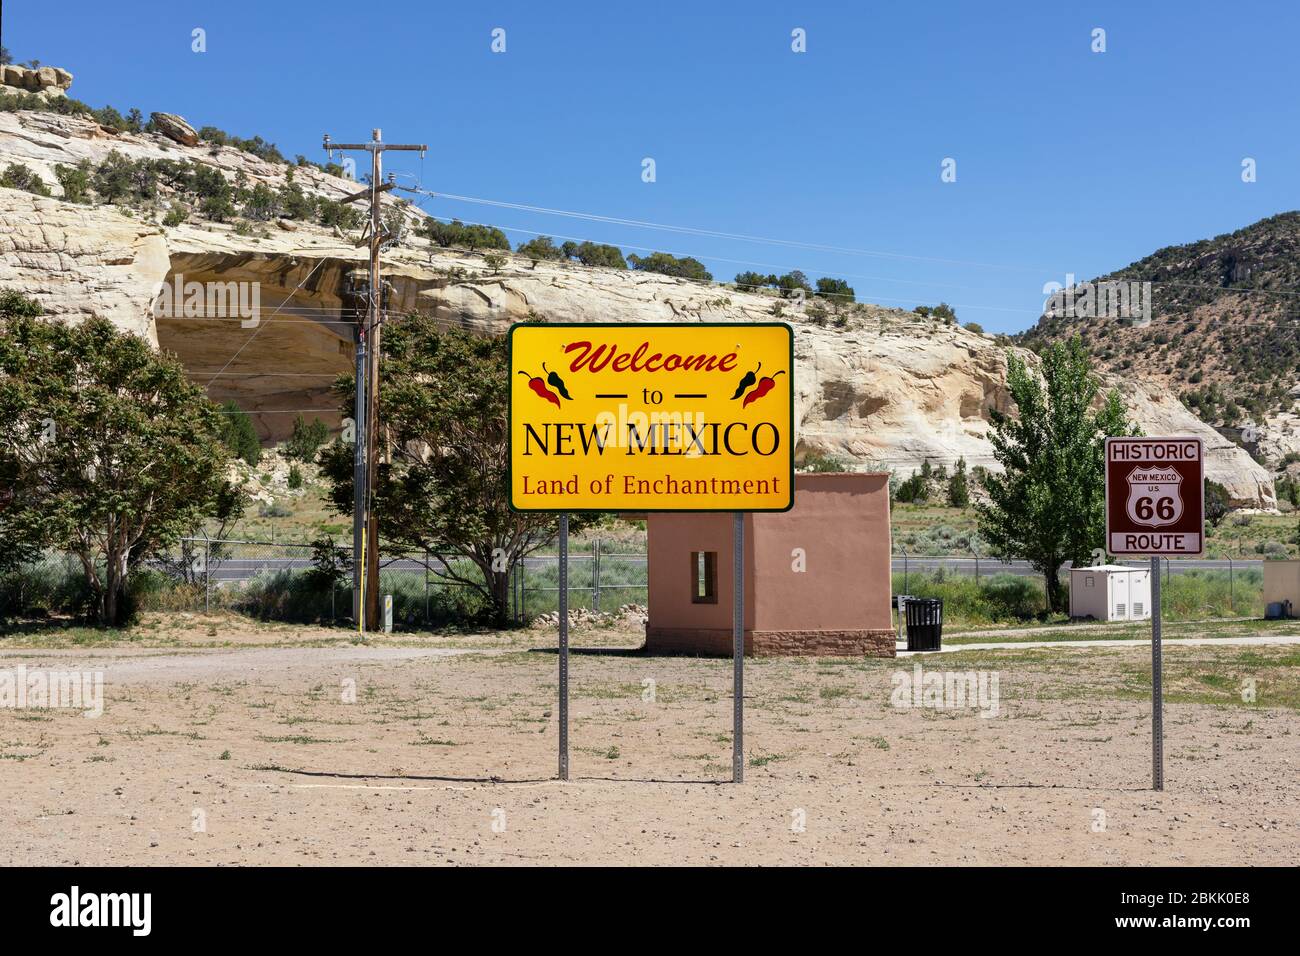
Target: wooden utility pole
365,524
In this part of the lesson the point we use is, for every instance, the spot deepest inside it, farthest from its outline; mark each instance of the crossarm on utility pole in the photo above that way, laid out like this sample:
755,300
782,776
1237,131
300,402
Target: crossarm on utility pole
367,192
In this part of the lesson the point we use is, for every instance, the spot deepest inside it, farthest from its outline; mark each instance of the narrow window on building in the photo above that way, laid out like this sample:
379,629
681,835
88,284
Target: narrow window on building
704,577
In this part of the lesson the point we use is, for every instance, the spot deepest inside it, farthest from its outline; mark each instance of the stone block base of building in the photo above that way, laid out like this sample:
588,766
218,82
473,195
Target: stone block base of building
715,642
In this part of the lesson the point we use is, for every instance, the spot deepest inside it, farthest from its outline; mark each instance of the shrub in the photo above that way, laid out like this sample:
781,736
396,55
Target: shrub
75,181
295,477
914,489
336,214
670,265
306,439
14,304
457,233
595,254
176,215
835,288
1000,599
540,249
1216,503
119,179
18,176
815,462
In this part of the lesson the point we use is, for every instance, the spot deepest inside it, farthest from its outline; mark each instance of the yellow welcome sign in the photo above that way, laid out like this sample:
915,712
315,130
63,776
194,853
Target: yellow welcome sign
651,417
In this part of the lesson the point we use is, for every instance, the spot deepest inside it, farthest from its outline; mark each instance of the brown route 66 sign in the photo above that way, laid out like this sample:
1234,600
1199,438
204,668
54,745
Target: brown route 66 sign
1155,496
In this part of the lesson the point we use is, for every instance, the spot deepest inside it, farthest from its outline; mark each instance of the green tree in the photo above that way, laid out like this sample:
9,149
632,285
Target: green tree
596,254
1216,503
306,439
117,180
75,181
1047,507
460,235
261,204
18,176
443,397
540,249
837,289
754,280
239,435
791,281
959,486
109,450
21,530
296,204
685,267
913,489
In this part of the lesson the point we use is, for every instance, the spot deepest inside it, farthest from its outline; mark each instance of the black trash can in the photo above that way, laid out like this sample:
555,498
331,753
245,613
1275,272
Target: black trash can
924,624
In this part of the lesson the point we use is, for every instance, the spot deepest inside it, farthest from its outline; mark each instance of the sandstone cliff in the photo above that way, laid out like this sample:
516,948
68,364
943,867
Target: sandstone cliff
876,386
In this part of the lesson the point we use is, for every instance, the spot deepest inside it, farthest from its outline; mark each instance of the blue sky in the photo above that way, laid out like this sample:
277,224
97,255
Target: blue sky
1066,160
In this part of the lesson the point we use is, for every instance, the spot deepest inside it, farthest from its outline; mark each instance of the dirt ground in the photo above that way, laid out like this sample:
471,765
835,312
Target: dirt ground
249,753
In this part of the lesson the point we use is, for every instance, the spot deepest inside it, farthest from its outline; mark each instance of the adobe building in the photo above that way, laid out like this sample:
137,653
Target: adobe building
817,577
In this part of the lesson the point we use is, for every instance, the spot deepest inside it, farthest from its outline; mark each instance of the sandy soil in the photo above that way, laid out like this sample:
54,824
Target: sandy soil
250,755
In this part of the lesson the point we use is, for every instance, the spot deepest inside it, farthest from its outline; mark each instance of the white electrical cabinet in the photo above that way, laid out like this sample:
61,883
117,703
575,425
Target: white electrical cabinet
1110,592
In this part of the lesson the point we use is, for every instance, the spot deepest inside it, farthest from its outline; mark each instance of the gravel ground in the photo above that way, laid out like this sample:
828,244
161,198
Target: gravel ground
255,755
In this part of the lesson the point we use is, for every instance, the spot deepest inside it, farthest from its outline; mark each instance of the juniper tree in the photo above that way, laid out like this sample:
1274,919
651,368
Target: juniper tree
107,448
443,398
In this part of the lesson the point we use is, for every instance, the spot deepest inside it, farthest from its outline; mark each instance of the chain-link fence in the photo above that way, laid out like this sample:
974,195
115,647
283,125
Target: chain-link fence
305,583
300,582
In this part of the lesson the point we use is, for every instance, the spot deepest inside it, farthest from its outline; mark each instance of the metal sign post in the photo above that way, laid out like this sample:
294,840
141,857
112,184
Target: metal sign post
642,418
738,648
1157,688
564,646
1155,505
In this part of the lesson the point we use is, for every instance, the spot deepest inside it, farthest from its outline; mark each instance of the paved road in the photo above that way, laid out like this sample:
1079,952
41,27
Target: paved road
243,568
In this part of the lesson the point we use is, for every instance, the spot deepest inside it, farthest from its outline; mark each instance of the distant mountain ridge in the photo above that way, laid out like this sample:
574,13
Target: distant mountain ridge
1224,332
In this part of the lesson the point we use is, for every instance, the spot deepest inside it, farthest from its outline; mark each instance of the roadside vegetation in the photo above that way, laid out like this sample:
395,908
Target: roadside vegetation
108,452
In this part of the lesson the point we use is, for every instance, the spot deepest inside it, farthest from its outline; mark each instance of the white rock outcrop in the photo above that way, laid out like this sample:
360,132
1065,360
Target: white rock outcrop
875,386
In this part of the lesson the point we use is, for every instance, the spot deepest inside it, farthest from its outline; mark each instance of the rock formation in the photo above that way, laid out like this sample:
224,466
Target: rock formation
175,128
45,80
877,387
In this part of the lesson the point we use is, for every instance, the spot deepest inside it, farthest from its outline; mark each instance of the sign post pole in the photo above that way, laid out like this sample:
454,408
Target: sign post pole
738,648
1157,688
564,646
642,418
1155,506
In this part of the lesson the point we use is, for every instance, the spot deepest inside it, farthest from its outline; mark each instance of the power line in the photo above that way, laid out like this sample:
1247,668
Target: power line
747,262
712,233
691,230
262,325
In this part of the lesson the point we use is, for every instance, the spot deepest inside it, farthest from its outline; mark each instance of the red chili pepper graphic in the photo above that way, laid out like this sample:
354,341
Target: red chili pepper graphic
539,386
765,385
